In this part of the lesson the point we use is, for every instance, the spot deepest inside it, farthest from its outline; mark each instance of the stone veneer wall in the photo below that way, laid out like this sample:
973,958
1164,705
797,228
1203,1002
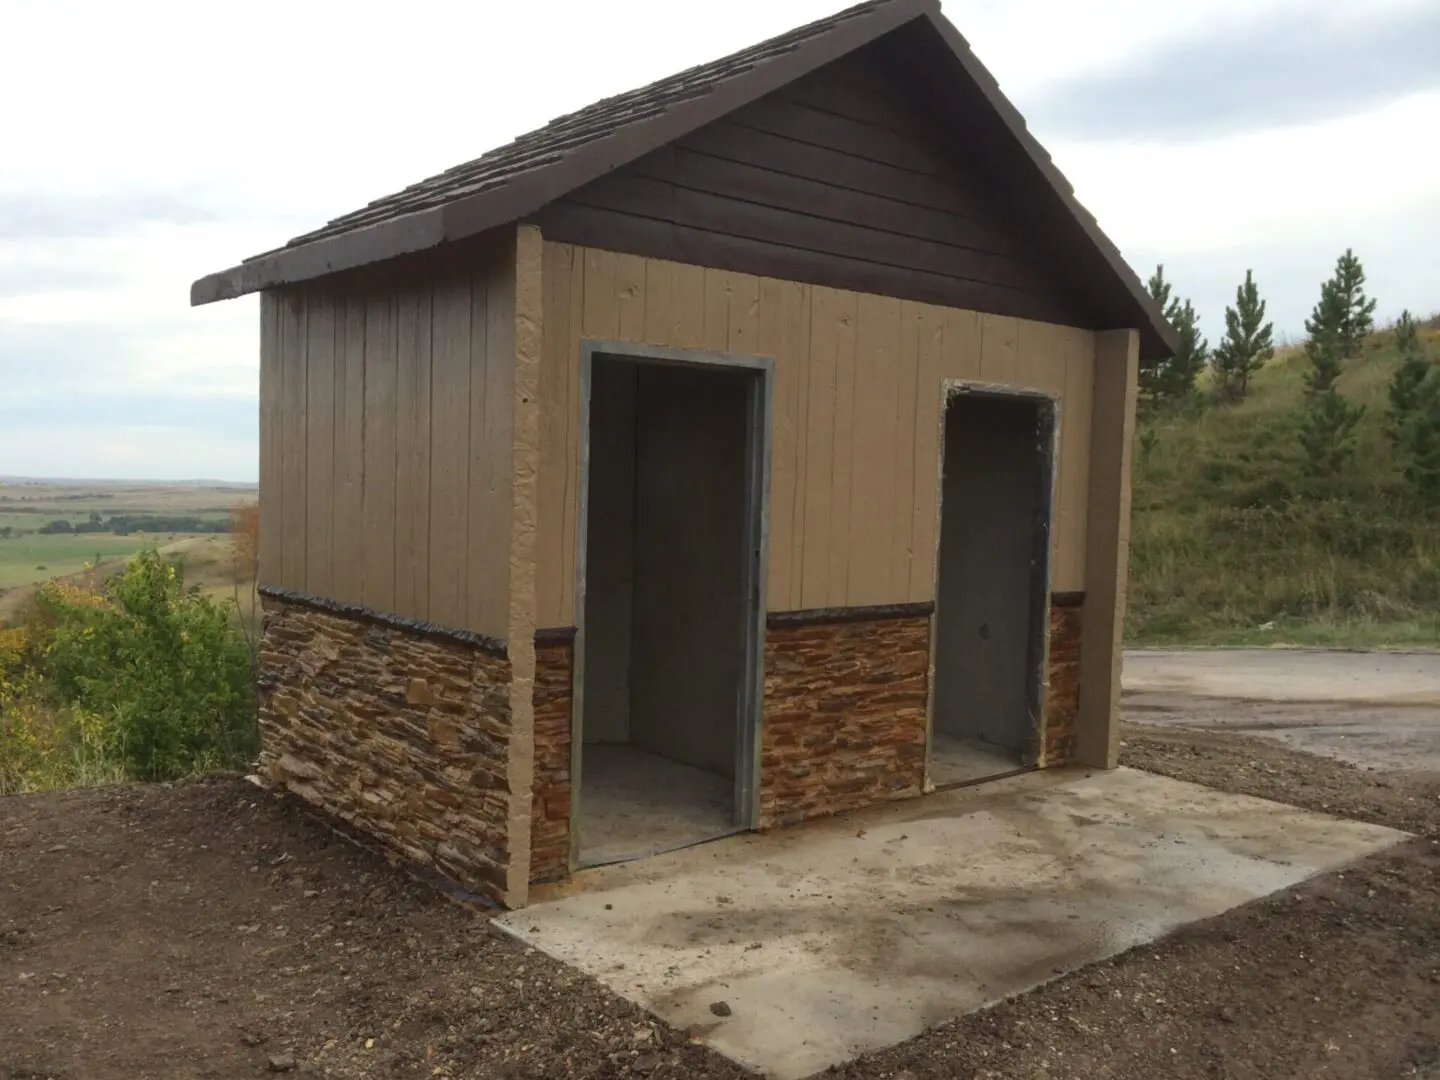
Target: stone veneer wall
550,803
845,697
399,727
1062,689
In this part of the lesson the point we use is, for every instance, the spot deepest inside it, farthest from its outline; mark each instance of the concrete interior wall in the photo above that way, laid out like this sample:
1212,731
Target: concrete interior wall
610,559
989,494
665,560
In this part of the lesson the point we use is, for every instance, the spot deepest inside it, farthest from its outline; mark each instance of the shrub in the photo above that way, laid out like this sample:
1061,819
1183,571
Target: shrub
162,667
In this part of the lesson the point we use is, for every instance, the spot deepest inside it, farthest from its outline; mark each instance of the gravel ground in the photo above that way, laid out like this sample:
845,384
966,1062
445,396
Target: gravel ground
207,929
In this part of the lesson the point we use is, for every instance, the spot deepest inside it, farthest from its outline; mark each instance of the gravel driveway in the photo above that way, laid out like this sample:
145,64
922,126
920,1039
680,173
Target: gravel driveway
1378,710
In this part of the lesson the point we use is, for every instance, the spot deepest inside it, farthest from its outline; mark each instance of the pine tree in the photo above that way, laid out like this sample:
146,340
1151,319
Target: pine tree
1359,310
1325,349
1173,378
1249,341
1405,384
1152,372
1327,431
1178,380
1159,288
1407,333
1421,441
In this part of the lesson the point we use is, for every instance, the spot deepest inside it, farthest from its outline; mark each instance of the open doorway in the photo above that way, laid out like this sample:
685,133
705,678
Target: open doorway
993,588
667,703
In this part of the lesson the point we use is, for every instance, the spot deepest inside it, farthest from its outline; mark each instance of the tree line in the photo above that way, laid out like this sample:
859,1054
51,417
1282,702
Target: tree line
125,524
1342,319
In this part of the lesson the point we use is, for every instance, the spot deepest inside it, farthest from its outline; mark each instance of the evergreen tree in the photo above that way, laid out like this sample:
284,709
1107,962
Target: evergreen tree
1405,384
1327,431
1421,441
1249,340
1407,333
1152,372
1173,379
1325,349
1359,310
1159,288
1190,359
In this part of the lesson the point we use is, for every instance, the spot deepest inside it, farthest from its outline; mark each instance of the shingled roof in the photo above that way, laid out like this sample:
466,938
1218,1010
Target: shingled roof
514,181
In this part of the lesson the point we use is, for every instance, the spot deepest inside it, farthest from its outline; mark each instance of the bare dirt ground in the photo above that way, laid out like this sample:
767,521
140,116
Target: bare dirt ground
1378,709
208,930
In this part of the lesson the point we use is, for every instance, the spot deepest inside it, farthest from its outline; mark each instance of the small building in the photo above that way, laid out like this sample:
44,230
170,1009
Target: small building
749,447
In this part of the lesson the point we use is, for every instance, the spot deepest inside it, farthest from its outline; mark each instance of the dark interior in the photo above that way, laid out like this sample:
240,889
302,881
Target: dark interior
994,541
664,605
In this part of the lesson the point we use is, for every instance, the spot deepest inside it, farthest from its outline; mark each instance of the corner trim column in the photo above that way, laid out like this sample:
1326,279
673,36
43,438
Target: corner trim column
1107,547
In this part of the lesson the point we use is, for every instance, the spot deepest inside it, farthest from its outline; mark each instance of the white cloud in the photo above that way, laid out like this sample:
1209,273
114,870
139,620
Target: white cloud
154,143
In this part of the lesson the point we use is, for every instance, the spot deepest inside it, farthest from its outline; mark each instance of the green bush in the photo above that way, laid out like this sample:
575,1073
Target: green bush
162,667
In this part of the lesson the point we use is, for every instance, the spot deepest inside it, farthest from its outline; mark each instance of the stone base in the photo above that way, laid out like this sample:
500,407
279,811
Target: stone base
550,805
398,727
845,699
1062,683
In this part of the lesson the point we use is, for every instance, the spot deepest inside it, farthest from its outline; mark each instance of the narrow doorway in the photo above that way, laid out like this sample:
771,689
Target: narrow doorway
992,594
666,708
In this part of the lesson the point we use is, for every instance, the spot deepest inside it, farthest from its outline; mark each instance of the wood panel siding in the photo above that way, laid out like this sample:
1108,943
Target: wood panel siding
387,441
857,391
836,180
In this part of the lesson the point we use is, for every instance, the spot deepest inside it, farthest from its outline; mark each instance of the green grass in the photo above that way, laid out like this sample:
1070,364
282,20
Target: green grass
26,560
1233,543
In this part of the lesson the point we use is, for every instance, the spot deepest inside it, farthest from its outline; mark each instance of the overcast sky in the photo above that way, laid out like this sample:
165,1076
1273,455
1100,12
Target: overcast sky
146,144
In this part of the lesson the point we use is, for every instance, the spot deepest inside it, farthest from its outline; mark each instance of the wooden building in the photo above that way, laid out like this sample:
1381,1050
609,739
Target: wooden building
748,447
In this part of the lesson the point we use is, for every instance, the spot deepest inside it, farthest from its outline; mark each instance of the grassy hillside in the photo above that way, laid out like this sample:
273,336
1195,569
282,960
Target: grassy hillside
1233,543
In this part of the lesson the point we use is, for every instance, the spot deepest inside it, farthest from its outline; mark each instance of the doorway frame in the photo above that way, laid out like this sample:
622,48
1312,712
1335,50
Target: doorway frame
749,712
1041,574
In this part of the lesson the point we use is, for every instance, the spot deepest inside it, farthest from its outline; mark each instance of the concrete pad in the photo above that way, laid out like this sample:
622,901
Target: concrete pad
846,935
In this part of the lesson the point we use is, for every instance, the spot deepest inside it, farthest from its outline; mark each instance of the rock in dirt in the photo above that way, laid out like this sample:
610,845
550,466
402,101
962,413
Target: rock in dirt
282,1062
720,1008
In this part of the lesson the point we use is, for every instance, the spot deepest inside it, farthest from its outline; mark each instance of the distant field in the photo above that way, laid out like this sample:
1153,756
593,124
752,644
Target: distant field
27,560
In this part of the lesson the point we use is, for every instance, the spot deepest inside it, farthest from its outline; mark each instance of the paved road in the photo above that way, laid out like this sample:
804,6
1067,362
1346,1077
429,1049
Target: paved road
1380,710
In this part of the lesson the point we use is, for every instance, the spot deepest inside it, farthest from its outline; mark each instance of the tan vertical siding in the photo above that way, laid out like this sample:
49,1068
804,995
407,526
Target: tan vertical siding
449,451
412,453
272,478
386,441
378,436
347,569
492,384
855,441
319,442
292,424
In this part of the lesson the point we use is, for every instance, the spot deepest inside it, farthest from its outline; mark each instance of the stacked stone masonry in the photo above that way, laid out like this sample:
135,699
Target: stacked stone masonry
550,816
844,715
402,732
1062,685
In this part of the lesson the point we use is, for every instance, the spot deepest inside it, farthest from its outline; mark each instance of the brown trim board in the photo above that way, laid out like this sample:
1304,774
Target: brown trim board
922,609
555,635
1067,599
418,627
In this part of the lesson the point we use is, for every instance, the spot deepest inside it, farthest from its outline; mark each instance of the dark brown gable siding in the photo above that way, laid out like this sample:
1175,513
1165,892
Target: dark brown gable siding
833,180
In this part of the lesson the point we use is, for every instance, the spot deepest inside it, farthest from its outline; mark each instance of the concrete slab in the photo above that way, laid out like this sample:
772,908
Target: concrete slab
964,761
846,935
634,804
1379,709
